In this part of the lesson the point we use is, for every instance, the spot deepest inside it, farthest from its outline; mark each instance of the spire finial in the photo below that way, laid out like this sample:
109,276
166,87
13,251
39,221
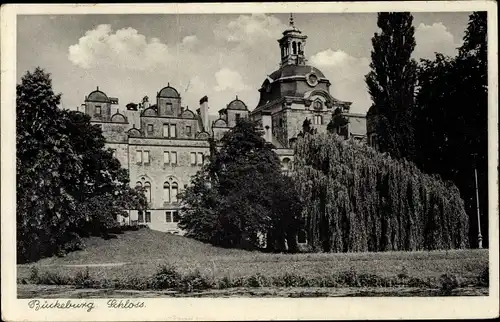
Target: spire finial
97,87
236,96
291,20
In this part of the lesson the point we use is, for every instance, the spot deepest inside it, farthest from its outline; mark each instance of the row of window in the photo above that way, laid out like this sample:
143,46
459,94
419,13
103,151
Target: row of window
169,130
170,191
169,157
318,119
170,216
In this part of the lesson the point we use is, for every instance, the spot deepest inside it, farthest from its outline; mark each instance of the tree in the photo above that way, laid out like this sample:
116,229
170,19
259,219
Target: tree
357,199
391,83
451,118
233,201
62,168
338,124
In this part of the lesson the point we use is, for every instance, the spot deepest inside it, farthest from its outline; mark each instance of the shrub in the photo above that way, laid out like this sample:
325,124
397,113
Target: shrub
257,280
84,280
195,281
484,277
348,278
54,278
448,282
34,276
167,277
133,283
224,283
290,280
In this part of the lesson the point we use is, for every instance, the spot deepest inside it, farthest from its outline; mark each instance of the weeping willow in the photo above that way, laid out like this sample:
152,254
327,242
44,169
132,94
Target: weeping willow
357,199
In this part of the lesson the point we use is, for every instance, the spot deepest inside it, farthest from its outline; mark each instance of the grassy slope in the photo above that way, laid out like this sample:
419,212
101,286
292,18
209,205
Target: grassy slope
144,250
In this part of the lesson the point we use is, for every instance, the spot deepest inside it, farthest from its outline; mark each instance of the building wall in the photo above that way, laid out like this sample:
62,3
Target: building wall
90,109
158,122
157,172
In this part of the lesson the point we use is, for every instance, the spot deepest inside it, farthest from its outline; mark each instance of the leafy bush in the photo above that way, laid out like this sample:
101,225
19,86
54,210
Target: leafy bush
448,282
257,280
195,281
166,277
484,277
84,280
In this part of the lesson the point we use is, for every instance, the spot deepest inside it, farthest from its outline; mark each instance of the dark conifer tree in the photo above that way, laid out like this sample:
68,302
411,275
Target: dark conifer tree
391,83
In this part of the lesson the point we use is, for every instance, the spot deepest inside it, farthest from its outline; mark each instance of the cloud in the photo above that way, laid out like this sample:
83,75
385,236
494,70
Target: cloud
228,79
434,38
347,75
190,40
125,48
251,30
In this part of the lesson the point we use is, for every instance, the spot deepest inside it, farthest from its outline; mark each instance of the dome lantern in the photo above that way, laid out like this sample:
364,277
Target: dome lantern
292,45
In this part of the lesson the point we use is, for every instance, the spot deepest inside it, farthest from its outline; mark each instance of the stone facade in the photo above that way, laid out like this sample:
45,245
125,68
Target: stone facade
163,145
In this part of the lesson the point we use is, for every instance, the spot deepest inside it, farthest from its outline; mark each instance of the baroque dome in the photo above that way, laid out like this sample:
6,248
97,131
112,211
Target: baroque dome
168,92
295,70
98,96
237,105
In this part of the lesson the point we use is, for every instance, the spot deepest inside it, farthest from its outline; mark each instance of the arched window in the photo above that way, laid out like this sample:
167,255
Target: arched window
174,191
294,48
138,184
302,237
318,119
166,192
285,163
299,46
147,191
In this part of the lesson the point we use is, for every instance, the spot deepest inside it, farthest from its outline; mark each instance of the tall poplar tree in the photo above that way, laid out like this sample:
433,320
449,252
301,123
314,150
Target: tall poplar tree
391,83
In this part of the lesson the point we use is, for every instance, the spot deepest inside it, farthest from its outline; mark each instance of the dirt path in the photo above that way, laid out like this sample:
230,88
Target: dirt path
55,291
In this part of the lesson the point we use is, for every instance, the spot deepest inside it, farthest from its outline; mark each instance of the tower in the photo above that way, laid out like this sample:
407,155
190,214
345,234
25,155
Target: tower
292,45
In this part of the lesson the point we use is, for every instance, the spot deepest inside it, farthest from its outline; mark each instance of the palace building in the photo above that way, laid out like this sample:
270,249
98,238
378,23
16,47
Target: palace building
164,144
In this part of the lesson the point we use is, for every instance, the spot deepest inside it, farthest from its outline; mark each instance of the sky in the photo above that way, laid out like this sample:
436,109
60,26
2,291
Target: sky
218,55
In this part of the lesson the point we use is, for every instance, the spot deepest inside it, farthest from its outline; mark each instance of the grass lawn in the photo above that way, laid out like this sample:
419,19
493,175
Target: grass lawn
139,253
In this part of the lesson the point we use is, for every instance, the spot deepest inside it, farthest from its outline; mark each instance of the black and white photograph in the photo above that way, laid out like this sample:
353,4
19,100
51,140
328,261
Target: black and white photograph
230,152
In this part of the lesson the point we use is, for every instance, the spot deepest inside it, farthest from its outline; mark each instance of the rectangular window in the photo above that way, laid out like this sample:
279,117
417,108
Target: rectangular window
193,158
148,216
168,216
166,157
97,110
169,107
165,130
150,128
237,117
188,130
173,132
138,156
140,217
200,158
175,216
173,157
146,157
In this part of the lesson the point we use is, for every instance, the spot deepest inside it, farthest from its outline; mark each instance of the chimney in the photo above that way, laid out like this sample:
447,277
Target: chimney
267,126
204,112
